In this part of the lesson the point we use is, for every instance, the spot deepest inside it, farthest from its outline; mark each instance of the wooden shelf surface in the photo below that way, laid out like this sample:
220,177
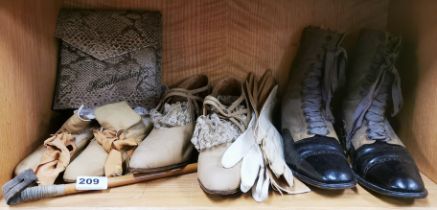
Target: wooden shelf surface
183,192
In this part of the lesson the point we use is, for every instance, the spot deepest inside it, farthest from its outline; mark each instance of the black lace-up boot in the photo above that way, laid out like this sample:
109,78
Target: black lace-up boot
312,149
379,158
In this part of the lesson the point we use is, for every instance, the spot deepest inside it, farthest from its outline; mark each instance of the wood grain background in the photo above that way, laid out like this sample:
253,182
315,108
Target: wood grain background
233,37
218,38
417,123
27,77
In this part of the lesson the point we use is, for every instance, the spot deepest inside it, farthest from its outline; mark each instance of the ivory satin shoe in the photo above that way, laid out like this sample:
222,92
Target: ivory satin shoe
168,144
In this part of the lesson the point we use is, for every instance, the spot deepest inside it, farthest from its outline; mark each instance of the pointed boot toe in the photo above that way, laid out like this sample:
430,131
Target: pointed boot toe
320,161
388,170
332,169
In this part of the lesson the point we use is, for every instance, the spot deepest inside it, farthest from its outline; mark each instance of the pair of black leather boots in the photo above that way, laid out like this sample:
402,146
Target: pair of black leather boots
379,160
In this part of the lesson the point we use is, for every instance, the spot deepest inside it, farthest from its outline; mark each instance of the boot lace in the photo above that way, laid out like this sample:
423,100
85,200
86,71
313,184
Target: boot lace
318,88
371,108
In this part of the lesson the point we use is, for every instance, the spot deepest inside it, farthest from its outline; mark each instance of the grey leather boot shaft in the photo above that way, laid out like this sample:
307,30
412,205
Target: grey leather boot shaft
316,73
373,82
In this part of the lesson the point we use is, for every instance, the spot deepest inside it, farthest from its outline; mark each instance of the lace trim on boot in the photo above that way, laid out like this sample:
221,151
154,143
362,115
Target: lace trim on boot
173,115
211,131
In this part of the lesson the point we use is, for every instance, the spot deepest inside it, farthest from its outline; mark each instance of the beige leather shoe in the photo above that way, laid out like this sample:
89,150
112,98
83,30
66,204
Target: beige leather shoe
225,116
168,144
121,131
51,158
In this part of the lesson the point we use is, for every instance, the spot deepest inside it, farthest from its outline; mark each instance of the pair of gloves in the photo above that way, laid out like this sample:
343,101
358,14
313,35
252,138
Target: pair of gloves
260,147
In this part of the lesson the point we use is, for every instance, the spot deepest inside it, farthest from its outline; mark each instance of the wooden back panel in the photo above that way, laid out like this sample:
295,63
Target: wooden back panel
233,37
28,70
417,123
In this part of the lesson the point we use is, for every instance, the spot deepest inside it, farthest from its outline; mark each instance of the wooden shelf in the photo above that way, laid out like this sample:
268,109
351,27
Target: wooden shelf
217,38
184,192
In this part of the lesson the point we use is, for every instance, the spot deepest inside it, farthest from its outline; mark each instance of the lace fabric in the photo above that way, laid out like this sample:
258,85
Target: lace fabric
318,88
237,112
170,113
211,131
176,114
371,109
219,123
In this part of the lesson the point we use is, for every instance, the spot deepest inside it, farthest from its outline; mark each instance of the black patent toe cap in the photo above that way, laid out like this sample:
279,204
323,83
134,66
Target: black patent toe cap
389,170
319,161
327,168
396,176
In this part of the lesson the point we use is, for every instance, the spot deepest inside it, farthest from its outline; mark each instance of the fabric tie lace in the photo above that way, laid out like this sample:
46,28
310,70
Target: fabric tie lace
56,157
119,148
372,107
234,113
170,114
59,149
190,95
223,125
317,95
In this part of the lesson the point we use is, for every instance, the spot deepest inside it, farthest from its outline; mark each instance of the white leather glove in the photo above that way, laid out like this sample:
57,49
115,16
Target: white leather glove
260,148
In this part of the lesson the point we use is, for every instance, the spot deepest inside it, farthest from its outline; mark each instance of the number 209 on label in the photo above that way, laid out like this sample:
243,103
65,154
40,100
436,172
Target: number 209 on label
91,183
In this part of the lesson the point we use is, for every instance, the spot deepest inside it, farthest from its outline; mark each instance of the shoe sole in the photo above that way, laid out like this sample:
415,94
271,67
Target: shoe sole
321,185
157,170
216,192
395,194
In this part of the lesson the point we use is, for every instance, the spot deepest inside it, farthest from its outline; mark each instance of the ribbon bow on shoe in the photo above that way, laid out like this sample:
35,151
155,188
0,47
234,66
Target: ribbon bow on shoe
56,157
260,147
118,147
61,147
112,144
